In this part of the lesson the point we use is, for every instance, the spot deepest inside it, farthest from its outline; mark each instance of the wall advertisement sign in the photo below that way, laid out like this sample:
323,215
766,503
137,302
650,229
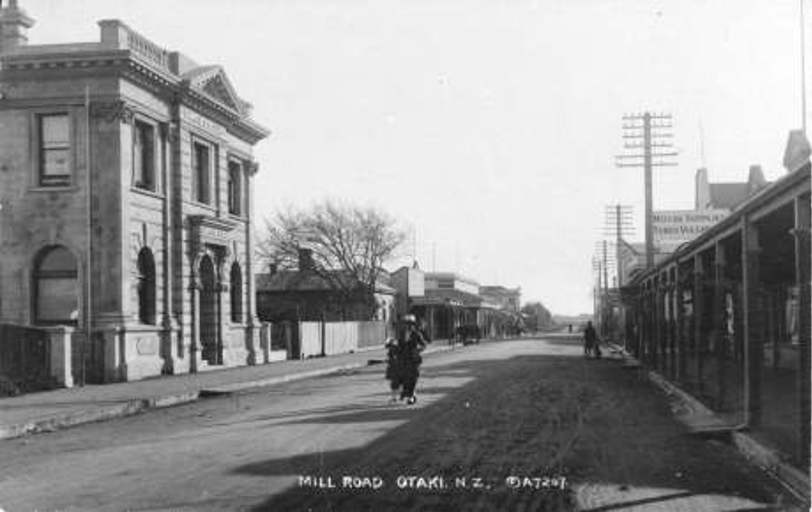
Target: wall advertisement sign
674,227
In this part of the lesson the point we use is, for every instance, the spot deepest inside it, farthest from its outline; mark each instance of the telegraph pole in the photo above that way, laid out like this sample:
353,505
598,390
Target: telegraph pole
647,137
803,70
596,292
617,224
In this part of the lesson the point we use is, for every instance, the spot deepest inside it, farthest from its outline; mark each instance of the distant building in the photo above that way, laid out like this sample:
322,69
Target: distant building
135,162
449,302
308,296
409,283
726,196
507,299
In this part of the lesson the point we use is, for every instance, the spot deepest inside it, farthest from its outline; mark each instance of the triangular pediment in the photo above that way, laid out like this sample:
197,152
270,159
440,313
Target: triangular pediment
213,81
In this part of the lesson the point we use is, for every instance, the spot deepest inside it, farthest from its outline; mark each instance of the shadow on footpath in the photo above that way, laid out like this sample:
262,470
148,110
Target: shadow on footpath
529,416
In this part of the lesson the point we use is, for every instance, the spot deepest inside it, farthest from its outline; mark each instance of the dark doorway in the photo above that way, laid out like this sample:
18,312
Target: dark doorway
209,326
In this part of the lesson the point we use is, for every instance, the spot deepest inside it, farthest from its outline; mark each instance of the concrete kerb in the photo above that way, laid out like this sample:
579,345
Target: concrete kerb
139,405
241,386
67,420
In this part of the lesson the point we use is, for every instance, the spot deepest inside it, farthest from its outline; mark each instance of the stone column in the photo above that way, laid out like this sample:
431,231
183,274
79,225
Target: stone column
219,289
752,342
169,348
194,344
252,320
802,262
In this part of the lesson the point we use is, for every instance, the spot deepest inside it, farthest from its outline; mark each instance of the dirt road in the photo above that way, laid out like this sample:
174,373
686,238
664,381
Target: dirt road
520,425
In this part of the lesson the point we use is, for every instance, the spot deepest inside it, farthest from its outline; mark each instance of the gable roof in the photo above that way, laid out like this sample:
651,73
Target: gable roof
727,195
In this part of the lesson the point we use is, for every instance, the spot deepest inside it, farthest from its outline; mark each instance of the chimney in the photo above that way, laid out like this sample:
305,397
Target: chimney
701,190
13,24
305,259
755,180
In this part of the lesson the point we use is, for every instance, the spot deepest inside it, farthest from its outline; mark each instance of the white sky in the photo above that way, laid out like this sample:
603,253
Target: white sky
489,127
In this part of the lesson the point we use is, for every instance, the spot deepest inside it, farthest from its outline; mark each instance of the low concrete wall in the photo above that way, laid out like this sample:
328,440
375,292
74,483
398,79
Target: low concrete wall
61,355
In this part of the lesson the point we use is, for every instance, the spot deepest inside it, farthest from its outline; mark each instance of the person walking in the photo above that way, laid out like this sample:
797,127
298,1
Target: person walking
393,371
591,341
411,344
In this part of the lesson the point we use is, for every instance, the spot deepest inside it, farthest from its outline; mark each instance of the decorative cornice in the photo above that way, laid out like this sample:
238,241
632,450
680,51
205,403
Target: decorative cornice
212,222
133,67
114,110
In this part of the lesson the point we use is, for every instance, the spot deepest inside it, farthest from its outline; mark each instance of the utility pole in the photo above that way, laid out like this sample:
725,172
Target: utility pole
647,138
605,273
803,70
596,292
602,262
617,224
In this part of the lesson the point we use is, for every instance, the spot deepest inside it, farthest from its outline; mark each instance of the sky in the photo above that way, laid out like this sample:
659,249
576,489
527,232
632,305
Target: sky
488,128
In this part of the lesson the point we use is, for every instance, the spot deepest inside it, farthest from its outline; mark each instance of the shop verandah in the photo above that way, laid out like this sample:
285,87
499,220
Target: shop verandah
728,316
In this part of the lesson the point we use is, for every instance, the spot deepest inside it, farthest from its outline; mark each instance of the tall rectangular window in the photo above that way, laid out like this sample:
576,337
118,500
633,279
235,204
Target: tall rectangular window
201,165
144,156
54,150
234,188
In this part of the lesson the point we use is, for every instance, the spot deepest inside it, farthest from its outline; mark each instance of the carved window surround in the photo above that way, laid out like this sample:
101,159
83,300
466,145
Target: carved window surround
210,230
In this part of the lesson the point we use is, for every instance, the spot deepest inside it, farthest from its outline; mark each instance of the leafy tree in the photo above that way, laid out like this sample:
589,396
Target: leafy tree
347,245
538,316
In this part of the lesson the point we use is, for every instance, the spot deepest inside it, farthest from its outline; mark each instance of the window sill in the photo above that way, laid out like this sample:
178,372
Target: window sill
237,216
207,206
147,192
60,188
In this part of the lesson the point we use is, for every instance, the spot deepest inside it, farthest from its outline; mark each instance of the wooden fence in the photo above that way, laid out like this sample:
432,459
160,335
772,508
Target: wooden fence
331,338
25,358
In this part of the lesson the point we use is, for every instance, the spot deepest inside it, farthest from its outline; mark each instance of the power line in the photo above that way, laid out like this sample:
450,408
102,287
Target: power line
653,130
618,222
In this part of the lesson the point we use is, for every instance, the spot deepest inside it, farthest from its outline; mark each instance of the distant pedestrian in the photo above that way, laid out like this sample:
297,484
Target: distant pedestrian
591,341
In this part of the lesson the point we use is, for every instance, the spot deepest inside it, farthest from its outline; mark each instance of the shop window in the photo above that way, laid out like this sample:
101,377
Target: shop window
146,287
56,287
236,293
144,156
54,150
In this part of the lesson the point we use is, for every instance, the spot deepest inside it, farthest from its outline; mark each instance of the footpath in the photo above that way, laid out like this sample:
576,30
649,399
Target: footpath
61,408
702,421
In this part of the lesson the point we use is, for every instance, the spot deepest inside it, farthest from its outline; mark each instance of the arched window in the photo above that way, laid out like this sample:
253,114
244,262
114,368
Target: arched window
146,287
236,293
56,287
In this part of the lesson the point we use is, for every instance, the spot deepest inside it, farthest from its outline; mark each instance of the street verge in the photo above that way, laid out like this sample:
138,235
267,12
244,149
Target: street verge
53,422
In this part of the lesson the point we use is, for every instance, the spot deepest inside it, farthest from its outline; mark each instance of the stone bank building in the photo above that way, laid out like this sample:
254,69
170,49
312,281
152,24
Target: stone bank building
125,202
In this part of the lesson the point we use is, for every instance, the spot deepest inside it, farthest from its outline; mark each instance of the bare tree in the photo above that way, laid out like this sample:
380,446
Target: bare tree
347,245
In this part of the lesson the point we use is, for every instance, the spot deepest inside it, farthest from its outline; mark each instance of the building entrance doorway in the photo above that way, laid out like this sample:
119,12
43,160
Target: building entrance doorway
210,339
